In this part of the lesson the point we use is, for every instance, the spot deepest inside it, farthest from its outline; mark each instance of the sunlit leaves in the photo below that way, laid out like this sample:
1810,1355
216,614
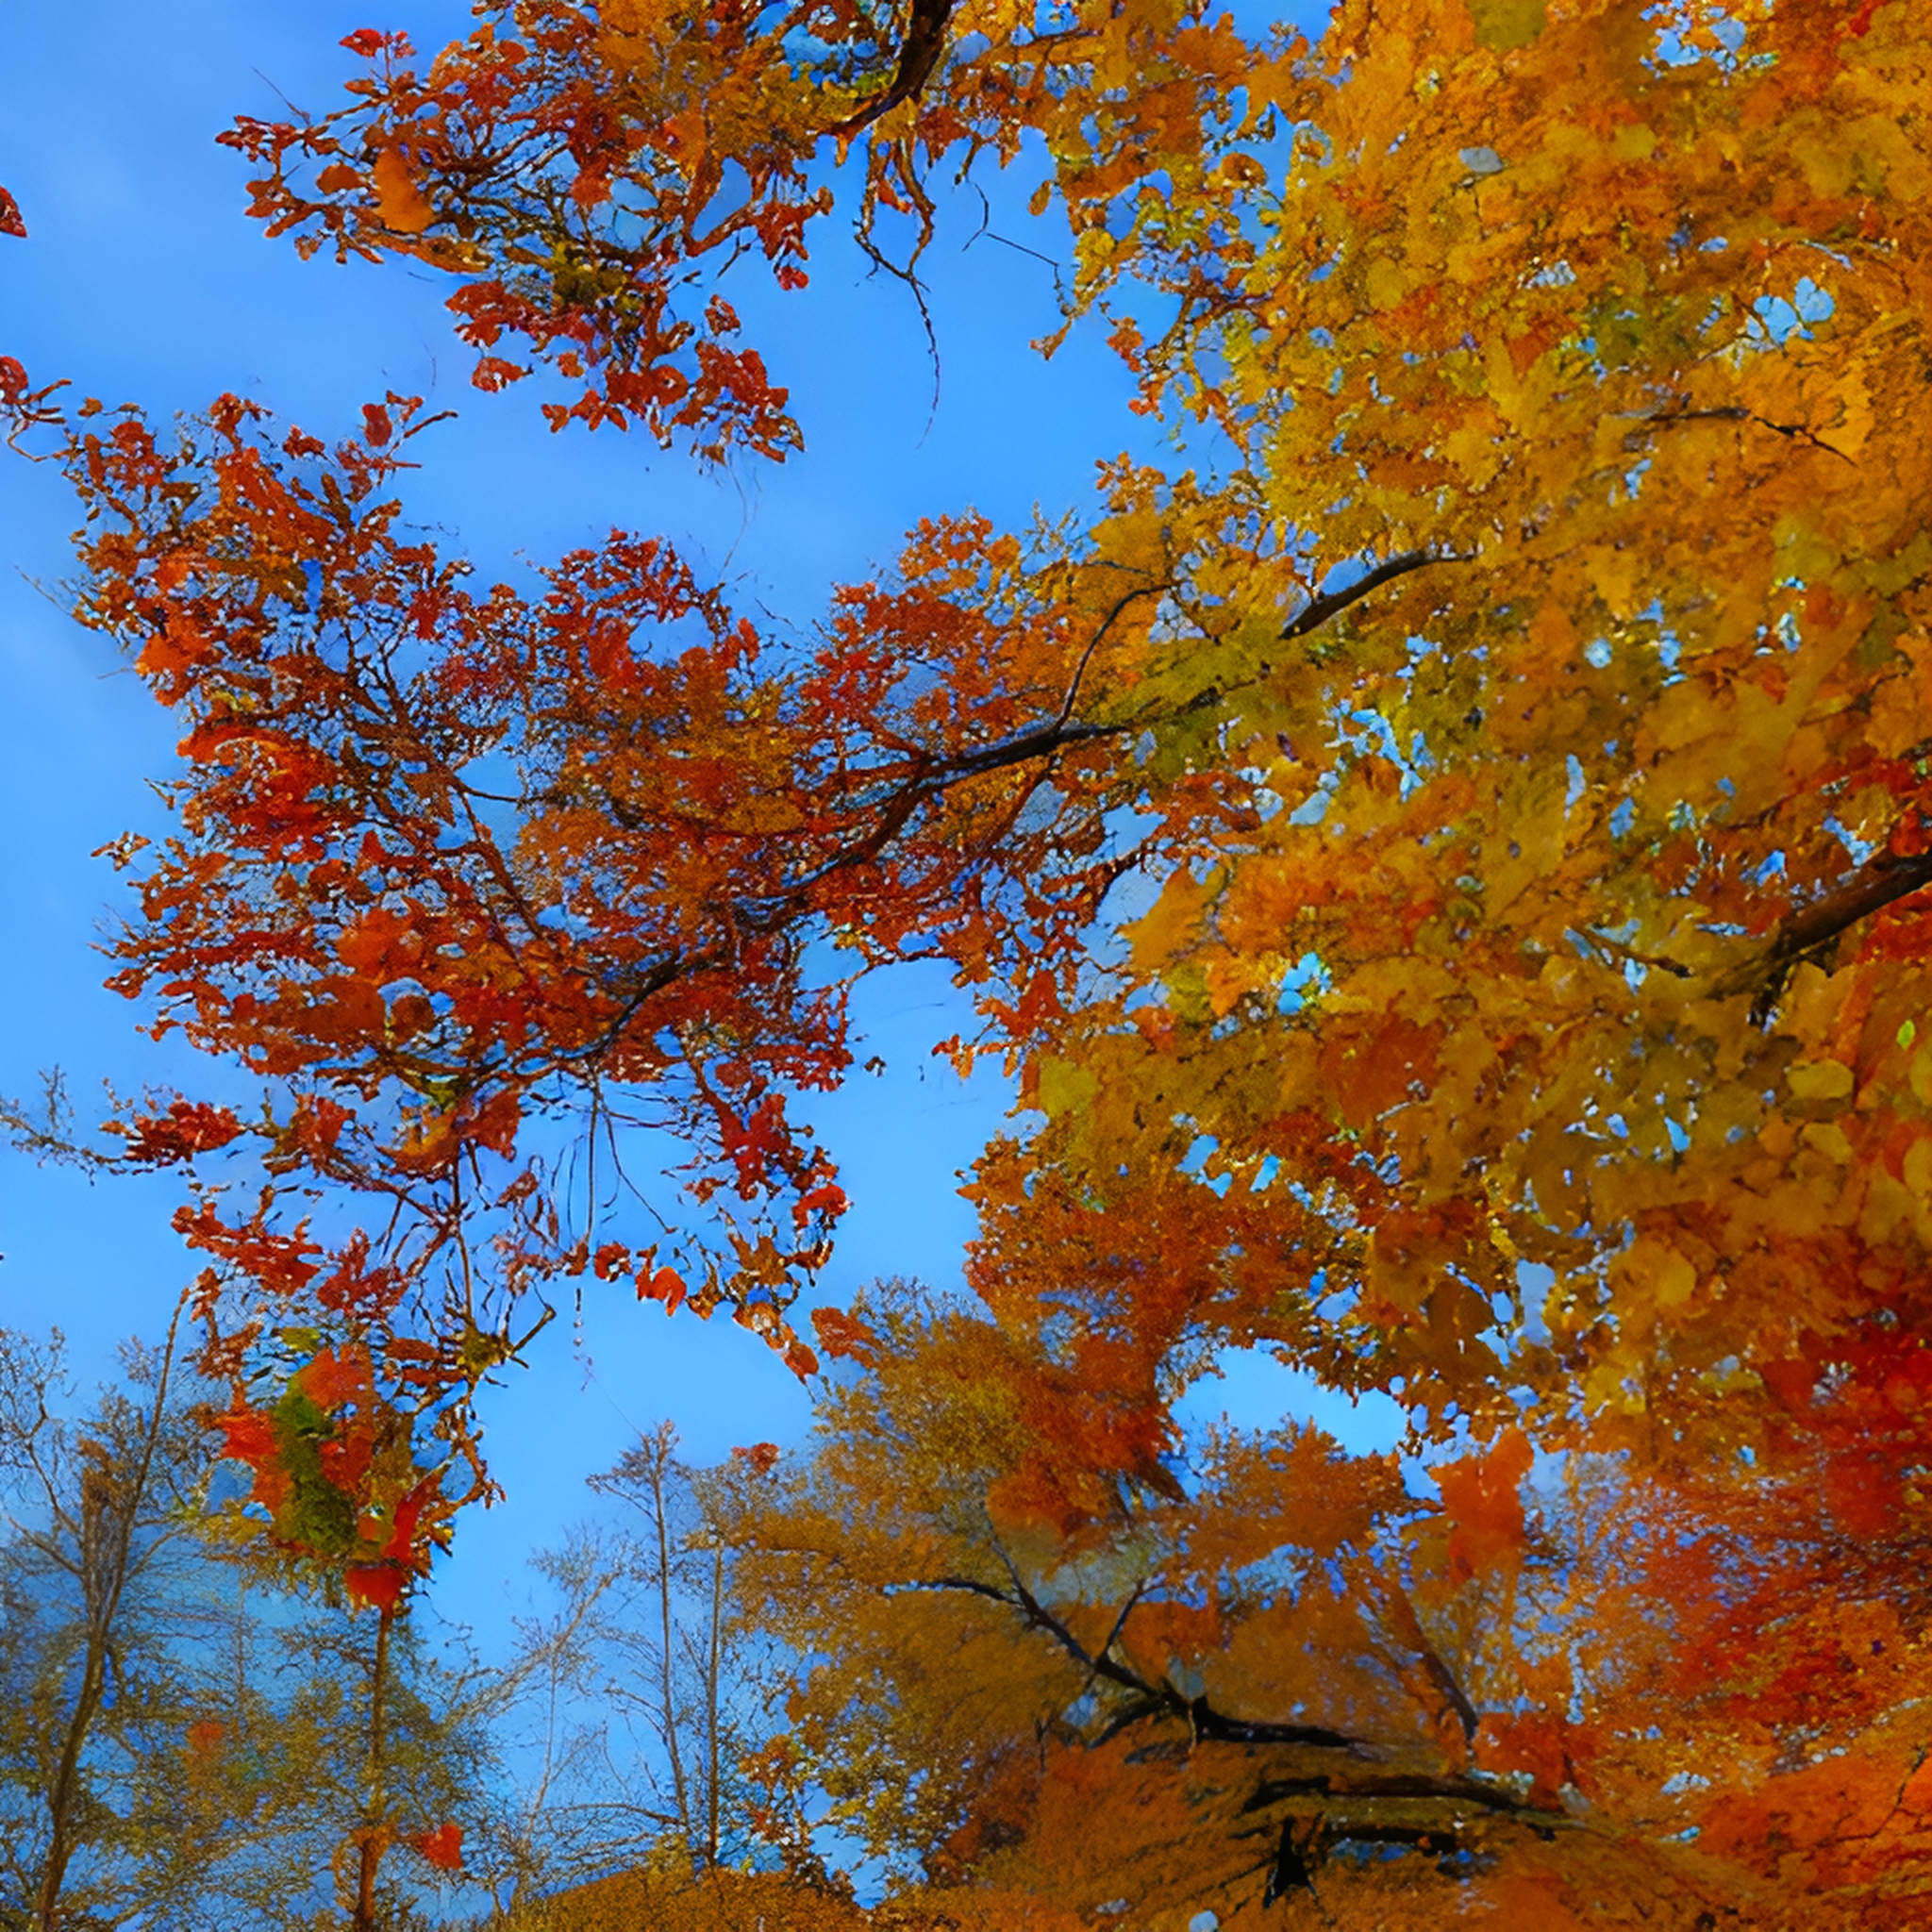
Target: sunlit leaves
1445,873
587,174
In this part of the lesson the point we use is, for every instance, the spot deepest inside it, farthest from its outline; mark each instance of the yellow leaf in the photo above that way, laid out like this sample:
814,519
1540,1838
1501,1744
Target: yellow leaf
1065,1086
1819,1080
1649,1270
1474,451
1385,283
1171,926
1916,1168
1613,571
1507,22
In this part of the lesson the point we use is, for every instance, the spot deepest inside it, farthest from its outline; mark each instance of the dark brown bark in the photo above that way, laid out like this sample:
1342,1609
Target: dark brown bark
925,40
1885,878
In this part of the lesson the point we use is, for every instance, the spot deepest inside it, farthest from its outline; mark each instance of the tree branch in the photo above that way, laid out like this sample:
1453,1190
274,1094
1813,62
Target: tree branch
1885,878
1148,1700
1320,610
1873,887
925,40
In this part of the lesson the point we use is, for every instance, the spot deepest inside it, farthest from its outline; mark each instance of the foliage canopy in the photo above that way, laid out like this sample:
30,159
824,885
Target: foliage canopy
1446,871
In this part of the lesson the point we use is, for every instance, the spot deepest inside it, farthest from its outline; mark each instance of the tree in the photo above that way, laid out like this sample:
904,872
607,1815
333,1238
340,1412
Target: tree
335,1422
694,1681
370,1734
1447,872
1039,1656
91,1576
638,1699
184,1744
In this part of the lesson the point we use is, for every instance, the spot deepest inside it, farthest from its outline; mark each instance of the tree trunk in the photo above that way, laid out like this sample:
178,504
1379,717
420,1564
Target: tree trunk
376,1802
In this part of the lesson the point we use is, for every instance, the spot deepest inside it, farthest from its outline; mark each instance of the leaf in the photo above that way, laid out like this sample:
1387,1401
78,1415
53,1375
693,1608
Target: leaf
379,1587
1482,1497
247,1436
1064,1087
336,1378
1507,22
399,201
443,1847
842,1335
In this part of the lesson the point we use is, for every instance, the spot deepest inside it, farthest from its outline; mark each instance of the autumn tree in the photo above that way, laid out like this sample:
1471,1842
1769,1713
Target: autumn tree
1040,1651
1445,870
421,1785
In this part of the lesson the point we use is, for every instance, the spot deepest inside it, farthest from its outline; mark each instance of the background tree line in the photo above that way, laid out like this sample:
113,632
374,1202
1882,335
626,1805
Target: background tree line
189,1735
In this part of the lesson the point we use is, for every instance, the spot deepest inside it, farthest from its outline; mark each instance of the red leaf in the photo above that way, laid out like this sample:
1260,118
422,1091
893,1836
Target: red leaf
443,1847
381,1585
335,1377
376,426
345,1460
10,223
402,1542
826,1198
365,40
188,1129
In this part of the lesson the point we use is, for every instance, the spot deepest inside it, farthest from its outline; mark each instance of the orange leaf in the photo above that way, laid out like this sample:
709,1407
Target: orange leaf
1482,1496
666,1286
840,1334
187,1130
398,200
250,1436
337,1377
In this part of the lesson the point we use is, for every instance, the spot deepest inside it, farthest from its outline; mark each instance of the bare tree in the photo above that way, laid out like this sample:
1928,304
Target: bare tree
98,1511
685,1676
632,1702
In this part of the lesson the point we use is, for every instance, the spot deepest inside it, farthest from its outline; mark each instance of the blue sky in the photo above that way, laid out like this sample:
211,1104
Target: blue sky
142,281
